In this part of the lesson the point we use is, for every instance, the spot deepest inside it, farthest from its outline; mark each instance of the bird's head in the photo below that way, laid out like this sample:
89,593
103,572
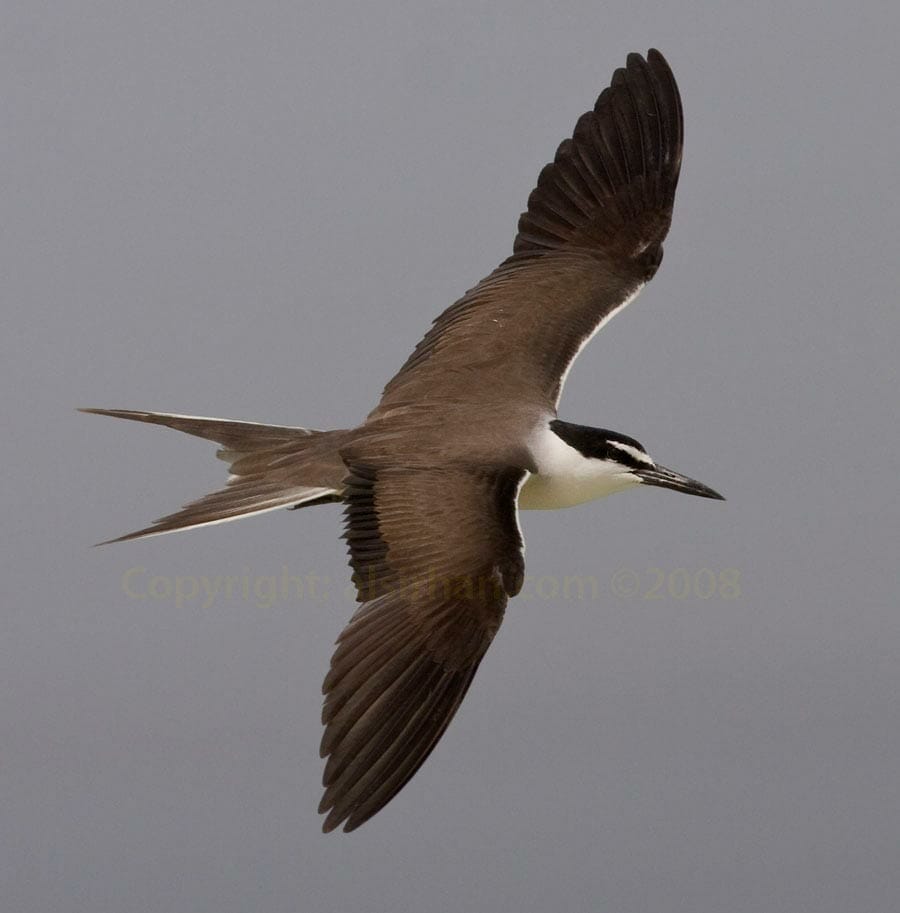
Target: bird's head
624,460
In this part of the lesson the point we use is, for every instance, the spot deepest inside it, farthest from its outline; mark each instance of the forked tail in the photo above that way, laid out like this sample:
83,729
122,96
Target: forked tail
271,466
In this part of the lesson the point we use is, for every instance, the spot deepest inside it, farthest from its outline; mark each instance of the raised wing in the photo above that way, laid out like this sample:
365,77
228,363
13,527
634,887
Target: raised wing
436,554
589,240
612,186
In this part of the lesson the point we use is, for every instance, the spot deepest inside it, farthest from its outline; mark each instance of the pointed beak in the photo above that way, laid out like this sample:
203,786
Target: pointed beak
666,478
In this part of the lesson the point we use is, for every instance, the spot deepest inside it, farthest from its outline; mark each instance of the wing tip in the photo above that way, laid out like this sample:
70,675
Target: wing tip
602,189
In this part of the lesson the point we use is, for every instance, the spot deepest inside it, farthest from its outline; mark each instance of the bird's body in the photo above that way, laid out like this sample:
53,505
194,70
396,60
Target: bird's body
465,435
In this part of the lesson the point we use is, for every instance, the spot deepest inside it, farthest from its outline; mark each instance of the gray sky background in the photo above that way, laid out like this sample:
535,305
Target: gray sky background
254,211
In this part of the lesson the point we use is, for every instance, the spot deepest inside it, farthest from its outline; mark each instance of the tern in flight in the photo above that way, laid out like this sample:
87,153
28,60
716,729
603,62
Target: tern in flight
465,435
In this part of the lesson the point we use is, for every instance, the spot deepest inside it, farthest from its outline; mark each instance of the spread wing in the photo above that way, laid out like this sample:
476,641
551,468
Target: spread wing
589,240
436,555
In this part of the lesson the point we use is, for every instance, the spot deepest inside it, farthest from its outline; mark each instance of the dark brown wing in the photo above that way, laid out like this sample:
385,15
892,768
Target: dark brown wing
612,186
435,555
590,238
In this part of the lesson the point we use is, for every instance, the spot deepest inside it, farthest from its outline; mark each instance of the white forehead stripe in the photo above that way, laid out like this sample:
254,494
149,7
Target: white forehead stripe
627,448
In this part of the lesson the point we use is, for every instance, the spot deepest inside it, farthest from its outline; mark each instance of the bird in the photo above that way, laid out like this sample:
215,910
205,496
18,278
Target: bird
464,437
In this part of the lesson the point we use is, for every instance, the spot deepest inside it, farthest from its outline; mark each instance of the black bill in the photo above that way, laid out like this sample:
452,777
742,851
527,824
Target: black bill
666,478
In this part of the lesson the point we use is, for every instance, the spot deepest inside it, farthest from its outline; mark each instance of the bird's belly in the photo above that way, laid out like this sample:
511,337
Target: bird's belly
549,492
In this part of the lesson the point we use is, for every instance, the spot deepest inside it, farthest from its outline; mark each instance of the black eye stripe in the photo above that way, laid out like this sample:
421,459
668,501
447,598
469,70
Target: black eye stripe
598,443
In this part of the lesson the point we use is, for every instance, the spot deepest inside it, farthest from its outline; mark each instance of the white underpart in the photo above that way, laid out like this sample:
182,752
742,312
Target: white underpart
626,301
564,477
